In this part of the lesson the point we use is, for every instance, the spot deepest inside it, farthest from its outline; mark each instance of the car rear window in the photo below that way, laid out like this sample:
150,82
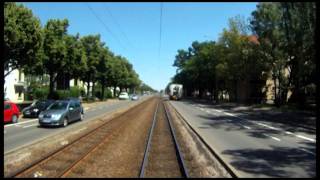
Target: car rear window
59,105
7,106
77,104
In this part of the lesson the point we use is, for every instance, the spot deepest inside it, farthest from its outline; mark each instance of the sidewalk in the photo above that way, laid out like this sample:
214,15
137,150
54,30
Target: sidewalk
93,104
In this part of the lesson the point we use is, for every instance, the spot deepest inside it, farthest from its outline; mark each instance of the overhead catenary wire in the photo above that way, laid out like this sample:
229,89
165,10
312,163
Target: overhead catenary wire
118,25
105,26
160,34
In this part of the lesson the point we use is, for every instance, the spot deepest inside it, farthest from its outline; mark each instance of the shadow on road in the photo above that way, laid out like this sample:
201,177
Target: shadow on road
274,162
293,122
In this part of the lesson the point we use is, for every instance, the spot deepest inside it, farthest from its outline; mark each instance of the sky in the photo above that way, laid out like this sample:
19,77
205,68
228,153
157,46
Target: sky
132,30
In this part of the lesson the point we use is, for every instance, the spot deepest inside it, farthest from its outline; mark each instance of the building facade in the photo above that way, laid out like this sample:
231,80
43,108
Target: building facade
14,86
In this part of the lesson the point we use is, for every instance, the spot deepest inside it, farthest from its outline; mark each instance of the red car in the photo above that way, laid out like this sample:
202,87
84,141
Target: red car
11,112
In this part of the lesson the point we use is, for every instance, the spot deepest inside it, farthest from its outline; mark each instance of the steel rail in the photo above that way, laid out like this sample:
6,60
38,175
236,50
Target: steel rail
183,168
221,161
146,152
181,163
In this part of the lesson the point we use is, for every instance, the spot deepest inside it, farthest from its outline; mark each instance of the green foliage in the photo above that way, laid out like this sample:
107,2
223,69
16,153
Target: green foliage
281,45
40,93
22,37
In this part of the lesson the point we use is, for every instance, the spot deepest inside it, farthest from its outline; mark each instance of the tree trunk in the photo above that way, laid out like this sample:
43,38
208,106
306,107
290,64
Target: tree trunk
51,85
235,90
88,88
75,82
93,85
114,91
276,99
102,90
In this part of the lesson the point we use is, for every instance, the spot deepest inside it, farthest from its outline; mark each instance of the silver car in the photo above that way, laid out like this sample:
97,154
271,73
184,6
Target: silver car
61,112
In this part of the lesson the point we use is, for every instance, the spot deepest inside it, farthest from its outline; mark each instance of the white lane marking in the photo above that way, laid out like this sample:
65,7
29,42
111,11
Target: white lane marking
30,125
230,114
261,124
287,132
208,111
218,110
17,124
247,127
306,138
308,151
277,139
201,109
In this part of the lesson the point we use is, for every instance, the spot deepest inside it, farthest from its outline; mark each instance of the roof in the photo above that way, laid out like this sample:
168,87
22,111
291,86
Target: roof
253,39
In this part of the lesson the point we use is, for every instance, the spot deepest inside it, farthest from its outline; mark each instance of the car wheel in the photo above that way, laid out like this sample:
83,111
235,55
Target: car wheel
14,119
65,122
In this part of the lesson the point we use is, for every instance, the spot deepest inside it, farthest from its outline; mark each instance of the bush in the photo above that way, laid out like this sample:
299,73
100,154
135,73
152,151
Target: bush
40,93
108,94
63,94
76,91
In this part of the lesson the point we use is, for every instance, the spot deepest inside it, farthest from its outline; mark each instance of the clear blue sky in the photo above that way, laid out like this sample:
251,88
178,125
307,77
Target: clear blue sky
135,29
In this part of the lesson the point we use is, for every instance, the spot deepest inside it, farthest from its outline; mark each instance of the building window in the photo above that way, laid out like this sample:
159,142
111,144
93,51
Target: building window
19,76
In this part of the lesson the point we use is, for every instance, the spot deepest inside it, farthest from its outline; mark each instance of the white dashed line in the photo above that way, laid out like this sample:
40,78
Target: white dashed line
270,127
308,151
247,127
17,124
30,125
261,124
287,132
230,114
277,139
306,138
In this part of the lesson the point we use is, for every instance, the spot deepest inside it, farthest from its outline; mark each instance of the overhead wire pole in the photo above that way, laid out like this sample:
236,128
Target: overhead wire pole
105,26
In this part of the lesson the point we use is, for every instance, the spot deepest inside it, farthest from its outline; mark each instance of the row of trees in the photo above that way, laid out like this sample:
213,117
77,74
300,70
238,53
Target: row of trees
278,43
62,56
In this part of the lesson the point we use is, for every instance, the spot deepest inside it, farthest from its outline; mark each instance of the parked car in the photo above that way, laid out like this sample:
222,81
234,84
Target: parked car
36,108
134,97
61,112
78,100
123,95
10,112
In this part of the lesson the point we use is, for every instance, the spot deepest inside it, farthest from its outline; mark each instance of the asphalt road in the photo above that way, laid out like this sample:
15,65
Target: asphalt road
253,148
27,131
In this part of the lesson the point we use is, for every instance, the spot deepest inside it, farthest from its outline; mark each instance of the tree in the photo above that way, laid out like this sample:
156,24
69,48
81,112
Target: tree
55,49
298,25
75,62
103,69
92,47
22,37
286,32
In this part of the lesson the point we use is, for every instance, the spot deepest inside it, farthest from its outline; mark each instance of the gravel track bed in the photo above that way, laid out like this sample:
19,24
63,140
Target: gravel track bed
162,159
122,153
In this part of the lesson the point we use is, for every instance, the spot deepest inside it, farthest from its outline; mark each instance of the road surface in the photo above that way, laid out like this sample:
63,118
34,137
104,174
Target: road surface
252,148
